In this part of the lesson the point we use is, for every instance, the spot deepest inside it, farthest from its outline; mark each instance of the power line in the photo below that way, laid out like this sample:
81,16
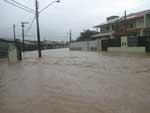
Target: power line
22,5
30,25
36,12
29,28
17,6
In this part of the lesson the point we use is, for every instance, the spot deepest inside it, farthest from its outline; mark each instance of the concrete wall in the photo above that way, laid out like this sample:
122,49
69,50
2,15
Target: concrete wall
127,49
93,45
86,45
99,45
96,45
12,53
79,45
124,41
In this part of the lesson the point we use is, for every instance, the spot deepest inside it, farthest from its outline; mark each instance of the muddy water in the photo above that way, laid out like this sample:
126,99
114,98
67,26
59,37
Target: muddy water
76,82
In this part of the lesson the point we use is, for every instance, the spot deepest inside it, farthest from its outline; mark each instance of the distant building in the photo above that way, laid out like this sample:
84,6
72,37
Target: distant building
53,44
137,24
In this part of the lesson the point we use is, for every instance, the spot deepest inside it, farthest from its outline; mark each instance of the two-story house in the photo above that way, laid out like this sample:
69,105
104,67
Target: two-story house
107,28
135,24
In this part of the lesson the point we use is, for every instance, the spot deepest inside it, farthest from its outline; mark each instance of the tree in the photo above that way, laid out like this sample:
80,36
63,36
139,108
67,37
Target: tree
86,35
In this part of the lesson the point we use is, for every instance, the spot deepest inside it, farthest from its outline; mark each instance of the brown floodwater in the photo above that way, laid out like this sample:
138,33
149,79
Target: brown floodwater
66,81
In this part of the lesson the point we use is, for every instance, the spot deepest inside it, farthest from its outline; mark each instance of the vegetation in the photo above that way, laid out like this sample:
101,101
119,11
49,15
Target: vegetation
86,35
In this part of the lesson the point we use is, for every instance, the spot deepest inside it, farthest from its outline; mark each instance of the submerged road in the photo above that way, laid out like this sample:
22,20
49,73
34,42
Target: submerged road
66,81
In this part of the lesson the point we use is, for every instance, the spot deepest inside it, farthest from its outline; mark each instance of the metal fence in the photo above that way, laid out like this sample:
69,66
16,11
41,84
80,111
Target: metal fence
133,41
115,42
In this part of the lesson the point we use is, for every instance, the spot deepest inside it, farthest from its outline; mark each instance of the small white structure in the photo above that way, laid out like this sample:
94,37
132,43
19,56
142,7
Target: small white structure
124,42
12,53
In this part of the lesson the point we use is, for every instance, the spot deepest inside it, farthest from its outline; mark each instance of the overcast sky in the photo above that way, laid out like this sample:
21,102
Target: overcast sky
56,21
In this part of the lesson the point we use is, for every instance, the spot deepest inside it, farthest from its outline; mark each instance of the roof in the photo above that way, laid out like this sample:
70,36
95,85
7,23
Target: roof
130,16
102,34
138,14
106,23
133,30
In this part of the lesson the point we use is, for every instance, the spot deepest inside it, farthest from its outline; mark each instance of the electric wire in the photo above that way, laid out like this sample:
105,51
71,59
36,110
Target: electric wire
22,5
29,28
18,6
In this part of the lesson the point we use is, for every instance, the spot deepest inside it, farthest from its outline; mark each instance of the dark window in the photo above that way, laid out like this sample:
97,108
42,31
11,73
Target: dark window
113,27
131,25
107,28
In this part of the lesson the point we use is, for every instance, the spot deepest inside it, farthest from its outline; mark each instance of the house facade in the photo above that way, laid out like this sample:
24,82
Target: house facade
135,24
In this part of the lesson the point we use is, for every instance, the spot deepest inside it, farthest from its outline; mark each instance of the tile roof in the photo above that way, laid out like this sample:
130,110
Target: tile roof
130,16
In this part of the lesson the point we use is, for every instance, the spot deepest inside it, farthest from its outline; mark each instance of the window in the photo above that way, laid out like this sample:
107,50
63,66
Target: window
131,25
113,27
107,27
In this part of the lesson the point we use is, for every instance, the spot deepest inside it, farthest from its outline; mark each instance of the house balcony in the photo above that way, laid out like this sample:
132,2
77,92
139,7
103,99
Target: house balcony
133,31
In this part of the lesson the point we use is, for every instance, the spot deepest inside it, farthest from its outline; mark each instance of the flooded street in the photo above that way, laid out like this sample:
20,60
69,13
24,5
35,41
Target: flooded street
66,81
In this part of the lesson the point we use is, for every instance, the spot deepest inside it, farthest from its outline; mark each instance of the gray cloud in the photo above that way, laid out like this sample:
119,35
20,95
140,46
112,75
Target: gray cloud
56,21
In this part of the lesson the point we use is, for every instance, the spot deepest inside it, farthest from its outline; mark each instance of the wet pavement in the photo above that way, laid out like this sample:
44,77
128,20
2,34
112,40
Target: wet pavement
66,81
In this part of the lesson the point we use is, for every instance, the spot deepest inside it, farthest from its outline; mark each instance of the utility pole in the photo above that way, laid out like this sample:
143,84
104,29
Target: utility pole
70,36
125,22
38,29
14,29
36,12
23,25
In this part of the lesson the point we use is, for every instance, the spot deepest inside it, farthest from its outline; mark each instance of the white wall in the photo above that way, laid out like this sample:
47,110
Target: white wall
86,45
99,45
124,41
93,45
12,53
127,49
79,45
90,45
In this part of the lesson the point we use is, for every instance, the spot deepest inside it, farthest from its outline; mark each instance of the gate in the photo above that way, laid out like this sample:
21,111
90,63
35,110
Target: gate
148,44
105,45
